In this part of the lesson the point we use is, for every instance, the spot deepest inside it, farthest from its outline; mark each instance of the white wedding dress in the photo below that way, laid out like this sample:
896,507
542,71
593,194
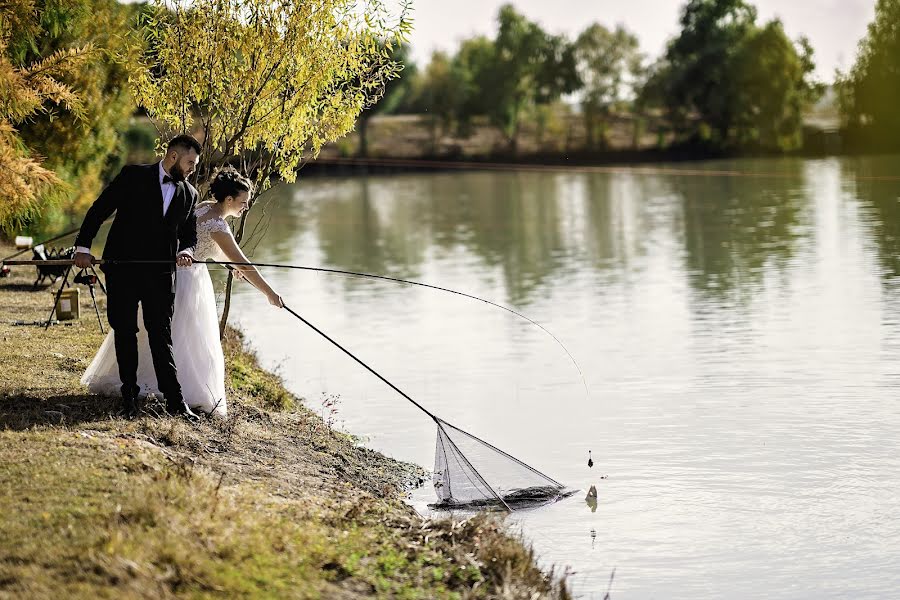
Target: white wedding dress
195,335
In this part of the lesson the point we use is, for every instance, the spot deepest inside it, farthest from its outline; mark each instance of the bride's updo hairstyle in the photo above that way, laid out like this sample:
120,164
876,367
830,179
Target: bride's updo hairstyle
228,182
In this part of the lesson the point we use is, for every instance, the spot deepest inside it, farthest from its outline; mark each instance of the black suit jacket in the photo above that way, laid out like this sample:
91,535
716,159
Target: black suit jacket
140,231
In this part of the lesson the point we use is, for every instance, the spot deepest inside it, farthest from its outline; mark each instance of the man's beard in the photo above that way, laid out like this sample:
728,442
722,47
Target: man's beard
176,173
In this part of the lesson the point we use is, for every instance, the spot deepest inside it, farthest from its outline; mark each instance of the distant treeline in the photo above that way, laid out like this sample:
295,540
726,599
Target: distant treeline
725,83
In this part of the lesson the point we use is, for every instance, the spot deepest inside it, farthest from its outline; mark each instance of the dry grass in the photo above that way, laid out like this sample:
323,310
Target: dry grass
268,503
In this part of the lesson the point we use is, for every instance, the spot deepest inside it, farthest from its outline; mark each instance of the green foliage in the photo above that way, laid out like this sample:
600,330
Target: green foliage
473,72
504,79
440,94
264,82
256,385
397,89
701,59
526,67
772,93
606,60
868,94
140,140
732,84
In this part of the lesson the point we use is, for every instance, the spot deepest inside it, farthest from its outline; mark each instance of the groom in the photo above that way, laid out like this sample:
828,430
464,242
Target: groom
154,221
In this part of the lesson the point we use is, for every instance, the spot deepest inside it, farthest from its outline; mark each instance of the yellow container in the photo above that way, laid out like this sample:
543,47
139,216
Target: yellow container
69,306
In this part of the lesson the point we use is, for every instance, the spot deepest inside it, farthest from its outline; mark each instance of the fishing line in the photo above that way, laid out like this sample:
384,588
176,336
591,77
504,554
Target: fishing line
230,264
458,481
425,285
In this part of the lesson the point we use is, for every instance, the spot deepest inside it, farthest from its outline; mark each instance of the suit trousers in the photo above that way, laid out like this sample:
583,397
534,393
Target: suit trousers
155,293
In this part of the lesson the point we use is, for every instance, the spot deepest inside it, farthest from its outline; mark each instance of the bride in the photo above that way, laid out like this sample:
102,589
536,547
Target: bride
195,324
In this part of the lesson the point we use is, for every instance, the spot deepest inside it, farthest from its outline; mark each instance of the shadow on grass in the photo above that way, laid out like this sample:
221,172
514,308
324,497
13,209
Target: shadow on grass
24,287
21,411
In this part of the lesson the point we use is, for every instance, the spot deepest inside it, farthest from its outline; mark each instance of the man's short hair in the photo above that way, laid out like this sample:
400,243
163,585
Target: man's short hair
185,142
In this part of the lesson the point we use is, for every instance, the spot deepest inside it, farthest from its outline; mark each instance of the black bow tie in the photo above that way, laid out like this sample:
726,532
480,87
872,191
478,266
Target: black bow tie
167,179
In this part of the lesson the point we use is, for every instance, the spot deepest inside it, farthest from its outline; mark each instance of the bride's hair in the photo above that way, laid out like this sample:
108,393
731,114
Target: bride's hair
228,182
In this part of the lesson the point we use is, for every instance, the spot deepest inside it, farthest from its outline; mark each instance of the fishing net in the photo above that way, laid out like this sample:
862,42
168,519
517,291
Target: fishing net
469,472
464,464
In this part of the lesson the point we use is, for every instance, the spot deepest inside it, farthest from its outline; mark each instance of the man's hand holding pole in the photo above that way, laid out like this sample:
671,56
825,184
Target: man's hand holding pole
83,260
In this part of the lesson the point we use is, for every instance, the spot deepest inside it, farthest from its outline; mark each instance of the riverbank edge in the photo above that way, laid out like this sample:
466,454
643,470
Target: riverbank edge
271,502
609,160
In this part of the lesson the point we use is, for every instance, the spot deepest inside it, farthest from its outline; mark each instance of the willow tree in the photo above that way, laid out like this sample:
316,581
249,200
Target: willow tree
264,84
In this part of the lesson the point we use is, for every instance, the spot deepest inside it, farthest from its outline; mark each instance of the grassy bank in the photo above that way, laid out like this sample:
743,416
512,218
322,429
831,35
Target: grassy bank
270,503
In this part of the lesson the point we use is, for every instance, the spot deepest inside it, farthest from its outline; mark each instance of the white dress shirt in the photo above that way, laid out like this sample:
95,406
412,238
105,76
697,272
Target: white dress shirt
168,192
168,189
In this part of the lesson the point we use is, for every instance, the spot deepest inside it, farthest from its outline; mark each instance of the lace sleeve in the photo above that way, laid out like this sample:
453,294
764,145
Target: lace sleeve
207,248
219,225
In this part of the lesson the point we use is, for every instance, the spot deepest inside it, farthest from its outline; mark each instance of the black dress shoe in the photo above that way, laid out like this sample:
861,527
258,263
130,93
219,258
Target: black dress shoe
181,409
130,407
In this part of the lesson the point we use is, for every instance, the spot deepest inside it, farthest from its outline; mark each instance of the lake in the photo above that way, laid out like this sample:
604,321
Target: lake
737,324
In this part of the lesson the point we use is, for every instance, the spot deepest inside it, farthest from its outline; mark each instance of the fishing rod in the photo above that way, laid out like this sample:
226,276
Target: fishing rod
231,264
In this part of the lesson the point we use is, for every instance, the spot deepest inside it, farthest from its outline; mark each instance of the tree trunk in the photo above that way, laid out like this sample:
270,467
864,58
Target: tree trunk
637,132
589,129
363,151
604,138
514,138
433,133
225,309
541,122
512,128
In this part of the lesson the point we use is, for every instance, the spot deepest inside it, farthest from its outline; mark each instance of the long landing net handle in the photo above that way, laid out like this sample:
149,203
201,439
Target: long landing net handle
53,262
66,262
367,367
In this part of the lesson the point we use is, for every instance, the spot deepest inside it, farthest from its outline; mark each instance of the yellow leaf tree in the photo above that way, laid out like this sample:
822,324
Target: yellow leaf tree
264,84
25,91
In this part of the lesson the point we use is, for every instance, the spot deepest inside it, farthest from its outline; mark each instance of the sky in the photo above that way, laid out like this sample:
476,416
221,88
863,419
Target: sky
834,27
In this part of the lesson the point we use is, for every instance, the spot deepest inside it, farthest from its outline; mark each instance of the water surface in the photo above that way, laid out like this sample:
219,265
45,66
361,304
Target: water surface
739,336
